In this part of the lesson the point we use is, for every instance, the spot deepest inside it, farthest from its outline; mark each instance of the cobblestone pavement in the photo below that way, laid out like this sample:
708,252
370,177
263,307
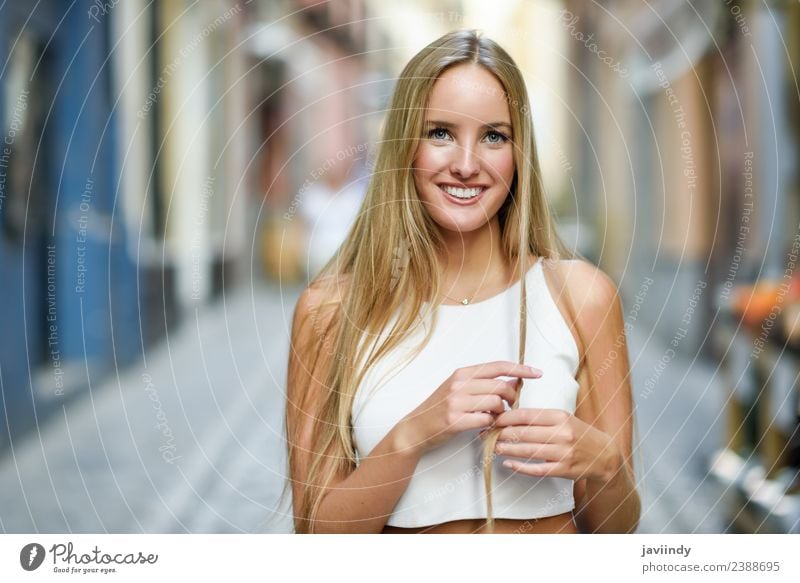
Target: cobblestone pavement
191,440
680,424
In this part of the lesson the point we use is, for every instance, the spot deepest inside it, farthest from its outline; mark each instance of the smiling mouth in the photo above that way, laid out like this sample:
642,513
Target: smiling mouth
462,193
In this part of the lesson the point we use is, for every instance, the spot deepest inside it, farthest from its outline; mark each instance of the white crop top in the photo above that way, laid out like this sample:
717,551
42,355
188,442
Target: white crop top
448,480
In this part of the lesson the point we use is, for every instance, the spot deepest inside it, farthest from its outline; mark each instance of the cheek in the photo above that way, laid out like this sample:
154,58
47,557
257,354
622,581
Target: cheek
429,160
501,165
427,163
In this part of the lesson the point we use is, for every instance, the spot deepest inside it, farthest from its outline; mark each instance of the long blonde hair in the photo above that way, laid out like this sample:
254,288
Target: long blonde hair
393,225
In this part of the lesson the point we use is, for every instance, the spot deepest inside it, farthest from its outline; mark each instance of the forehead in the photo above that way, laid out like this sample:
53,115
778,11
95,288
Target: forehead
469,92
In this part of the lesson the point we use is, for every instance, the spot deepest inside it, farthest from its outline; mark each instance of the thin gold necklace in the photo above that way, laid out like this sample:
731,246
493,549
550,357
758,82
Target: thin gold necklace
464,302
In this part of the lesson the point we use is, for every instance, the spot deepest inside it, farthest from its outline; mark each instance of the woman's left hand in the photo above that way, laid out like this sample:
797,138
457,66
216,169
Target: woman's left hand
569,447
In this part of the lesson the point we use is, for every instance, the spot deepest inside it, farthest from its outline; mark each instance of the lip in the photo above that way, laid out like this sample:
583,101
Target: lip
461,201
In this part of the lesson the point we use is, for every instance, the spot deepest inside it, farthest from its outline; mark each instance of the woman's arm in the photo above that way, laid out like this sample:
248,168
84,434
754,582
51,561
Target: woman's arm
362,501
611,503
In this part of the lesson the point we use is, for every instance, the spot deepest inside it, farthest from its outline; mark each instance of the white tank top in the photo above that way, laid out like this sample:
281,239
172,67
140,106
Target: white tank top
448,480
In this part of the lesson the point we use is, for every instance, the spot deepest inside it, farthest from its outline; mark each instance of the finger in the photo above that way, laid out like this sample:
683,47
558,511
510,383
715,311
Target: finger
529,416
471,420
529,434
491,402
506,389
490,370
538,469
478,420
530,451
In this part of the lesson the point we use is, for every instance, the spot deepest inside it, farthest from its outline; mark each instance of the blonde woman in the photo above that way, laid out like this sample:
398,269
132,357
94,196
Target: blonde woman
452,369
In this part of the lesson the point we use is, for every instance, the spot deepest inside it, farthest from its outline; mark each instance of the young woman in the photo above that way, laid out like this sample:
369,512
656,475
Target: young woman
452,308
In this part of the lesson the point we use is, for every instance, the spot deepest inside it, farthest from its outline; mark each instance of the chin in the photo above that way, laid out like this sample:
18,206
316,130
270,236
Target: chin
461,224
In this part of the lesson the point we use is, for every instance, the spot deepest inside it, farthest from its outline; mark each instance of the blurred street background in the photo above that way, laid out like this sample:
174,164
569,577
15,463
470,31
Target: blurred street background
173,173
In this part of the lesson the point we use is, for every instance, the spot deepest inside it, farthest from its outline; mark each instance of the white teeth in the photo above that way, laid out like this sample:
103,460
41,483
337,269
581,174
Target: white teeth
462,192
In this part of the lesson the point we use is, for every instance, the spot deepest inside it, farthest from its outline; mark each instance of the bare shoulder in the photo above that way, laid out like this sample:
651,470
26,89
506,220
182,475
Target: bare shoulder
311,300
319,300
588,286
313,329
587,298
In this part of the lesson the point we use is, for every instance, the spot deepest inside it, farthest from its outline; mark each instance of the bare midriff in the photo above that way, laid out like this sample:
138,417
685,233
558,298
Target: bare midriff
559,524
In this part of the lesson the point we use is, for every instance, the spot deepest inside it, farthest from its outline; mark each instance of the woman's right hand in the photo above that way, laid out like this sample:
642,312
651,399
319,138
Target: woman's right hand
471,398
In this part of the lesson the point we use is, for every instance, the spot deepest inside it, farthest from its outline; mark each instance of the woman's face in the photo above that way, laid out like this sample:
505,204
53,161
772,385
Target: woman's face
464,165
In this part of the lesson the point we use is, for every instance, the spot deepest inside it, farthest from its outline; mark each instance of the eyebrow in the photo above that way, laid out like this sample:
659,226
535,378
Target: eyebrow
449,125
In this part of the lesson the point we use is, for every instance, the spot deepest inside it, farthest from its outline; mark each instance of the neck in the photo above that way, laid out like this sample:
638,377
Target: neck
473,262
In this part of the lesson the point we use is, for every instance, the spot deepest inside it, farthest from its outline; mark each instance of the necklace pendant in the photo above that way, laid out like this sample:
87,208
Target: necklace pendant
465,301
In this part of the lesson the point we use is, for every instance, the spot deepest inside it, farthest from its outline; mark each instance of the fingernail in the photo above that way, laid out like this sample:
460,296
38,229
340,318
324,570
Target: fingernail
535,370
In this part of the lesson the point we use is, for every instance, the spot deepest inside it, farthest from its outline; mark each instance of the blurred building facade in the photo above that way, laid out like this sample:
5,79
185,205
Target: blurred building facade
685,145
122,176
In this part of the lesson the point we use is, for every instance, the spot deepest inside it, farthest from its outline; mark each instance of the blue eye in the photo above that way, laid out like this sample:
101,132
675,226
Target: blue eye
438,134
496,137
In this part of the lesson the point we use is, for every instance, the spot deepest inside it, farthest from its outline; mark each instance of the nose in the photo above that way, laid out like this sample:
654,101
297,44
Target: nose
465,162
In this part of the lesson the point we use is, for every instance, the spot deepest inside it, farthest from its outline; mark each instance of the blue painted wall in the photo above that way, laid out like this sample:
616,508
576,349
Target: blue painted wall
92,326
